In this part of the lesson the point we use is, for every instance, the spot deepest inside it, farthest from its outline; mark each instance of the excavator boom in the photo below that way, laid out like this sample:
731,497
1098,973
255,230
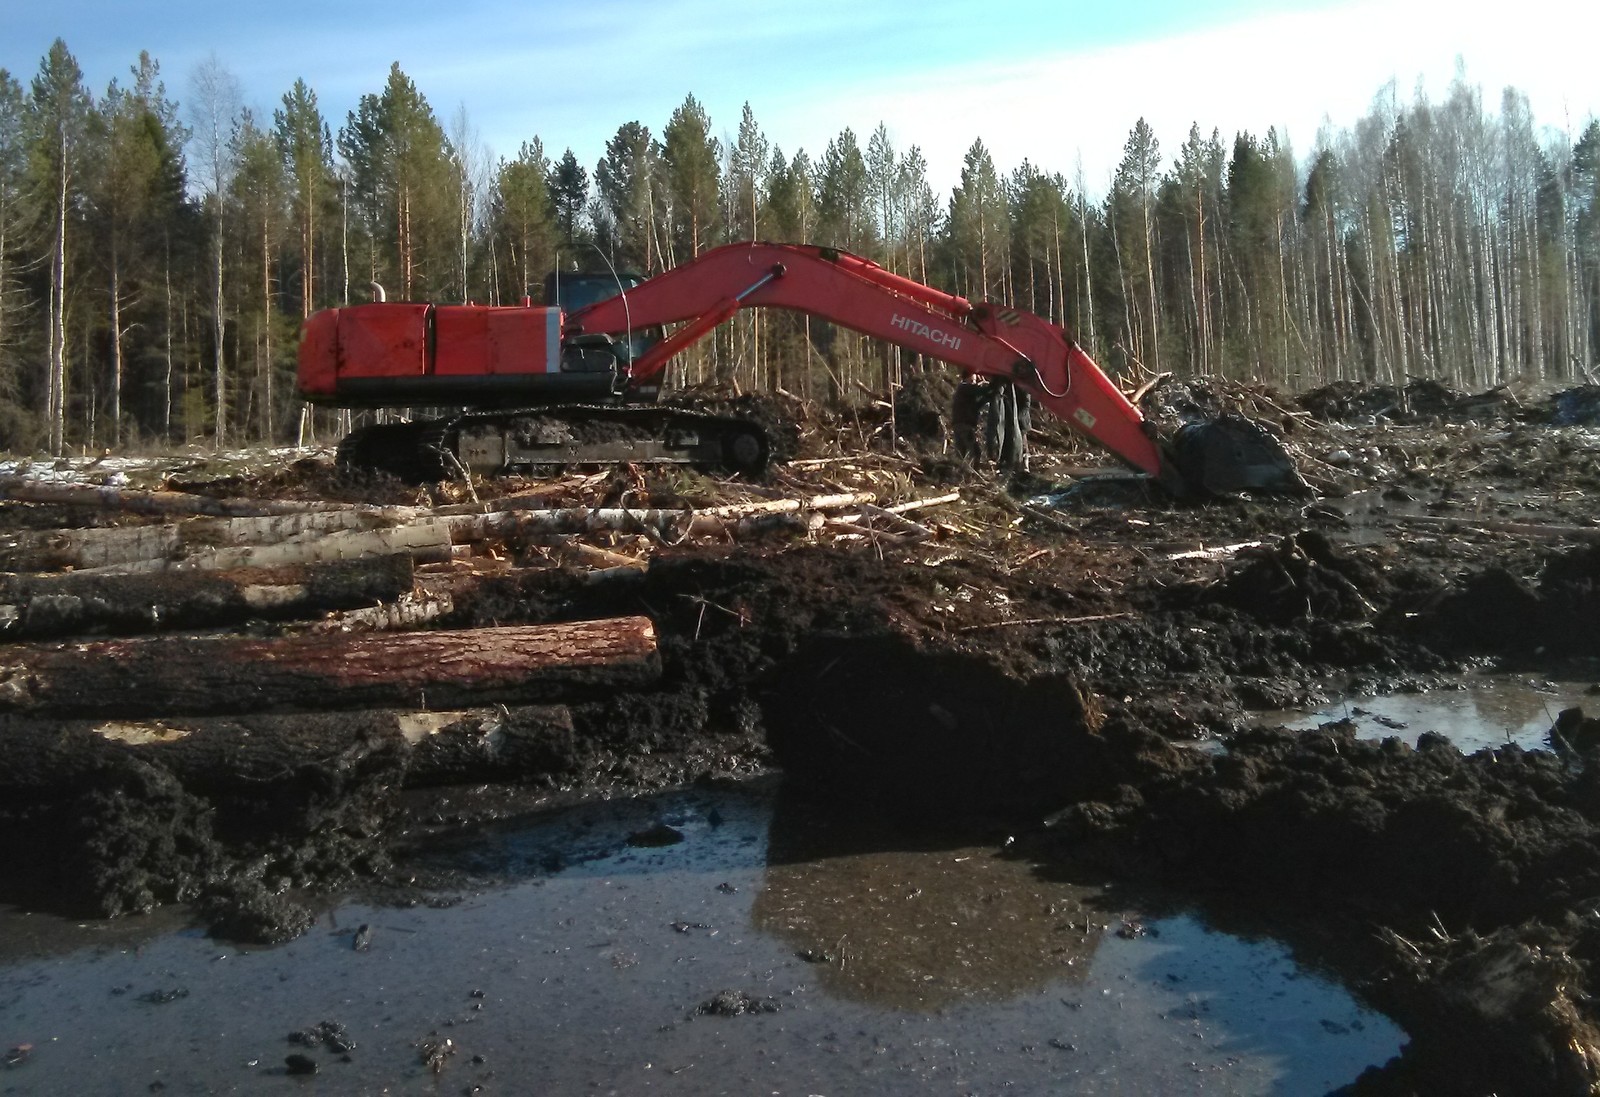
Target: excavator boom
1027,350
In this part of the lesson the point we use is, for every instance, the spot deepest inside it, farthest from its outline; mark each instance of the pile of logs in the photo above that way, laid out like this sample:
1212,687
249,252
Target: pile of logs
124,622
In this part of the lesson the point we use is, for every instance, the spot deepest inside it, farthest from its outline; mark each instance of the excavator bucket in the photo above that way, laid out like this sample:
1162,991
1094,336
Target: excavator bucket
1231,454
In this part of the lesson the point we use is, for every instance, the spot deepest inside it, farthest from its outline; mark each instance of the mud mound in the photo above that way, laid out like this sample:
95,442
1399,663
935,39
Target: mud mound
1205,398
876,721
1506,1012
1349,401
96,832
1576,407
1302,577
1492,610
114,829
1327,821
1421,401
922,407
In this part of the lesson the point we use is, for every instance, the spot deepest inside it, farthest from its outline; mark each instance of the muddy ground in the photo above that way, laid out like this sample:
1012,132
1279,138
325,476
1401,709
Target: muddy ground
1073,653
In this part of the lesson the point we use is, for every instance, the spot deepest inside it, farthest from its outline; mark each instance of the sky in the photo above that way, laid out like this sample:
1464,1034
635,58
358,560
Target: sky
1056,82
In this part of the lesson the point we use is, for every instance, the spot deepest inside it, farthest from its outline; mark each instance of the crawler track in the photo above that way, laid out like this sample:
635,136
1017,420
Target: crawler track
490,442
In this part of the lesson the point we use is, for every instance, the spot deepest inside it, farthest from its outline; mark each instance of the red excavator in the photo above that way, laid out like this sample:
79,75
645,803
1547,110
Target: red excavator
576,380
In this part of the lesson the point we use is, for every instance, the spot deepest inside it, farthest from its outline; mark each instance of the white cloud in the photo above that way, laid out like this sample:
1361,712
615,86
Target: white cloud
1285,70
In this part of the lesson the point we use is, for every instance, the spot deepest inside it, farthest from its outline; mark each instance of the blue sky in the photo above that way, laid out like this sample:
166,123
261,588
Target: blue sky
1059,83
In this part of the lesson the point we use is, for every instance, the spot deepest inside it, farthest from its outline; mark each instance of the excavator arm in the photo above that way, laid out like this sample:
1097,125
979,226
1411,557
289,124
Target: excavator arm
1037,356
546,387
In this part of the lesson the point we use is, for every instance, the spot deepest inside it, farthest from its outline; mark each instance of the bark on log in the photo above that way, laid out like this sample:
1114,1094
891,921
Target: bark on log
156,546
423,542
921,504
413,609
40,606
168,676
667,523
24,490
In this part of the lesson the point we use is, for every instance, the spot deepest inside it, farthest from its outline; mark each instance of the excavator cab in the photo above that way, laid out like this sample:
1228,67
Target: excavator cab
570,291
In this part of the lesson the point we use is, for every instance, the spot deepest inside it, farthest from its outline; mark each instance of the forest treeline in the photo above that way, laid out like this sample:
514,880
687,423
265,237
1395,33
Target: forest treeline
156,260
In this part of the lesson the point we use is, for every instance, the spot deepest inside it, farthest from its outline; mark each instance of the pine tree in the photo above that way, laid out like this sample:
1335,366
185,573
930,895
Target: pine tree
401,181
748,163
1324,215
569,188
884,187
1041,224
844,199
306,149
18,228
522,217
626,180
746,194
1586,233
691,158
922,221
1130,210
979,227
59,120
136,192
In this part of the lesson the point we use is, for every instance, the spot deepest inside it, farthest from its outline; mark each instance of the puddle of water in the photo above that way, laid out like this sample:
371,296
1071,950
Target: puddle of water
1487,712
925,970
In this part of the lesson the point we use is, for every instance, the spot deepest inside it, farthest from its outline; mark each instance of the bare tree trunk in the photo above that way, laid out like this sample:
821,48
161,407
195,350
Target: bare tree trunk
266,320
166,408
116,350
218,331
58,314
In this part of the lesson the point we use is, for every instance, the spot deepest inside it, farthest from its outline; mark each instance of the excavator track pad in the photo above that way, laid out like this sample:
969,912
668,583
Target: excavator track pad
538,439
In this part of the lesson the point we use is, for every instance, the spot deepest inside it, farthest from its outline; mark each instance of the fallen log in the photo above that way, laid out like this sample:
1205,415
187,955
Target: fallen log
155,546
168,676
40,606
665,523
424,542
25,490
604,558
738,520
247,760
411,610
921,504
879,520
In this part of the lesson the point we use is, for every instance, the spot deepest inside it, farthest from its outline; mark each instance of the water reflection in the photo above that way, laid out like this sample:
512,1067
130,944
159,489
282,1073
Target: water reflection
1489,711
575,960
914,920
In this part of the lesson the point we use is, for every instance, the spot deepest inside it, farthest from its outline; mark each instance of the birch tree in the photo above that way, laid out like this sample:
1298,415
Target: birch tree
214,102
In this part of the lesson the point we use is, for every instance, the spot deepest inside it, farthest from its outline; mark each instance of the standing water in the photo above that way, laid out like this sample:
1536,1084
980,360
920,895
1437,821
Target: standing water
1487,711
772,950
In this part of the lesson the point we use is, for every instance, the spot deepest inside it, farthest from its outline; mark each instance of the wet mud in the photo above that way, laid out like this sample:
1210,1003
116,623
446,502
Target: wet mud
778,945
1074,687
